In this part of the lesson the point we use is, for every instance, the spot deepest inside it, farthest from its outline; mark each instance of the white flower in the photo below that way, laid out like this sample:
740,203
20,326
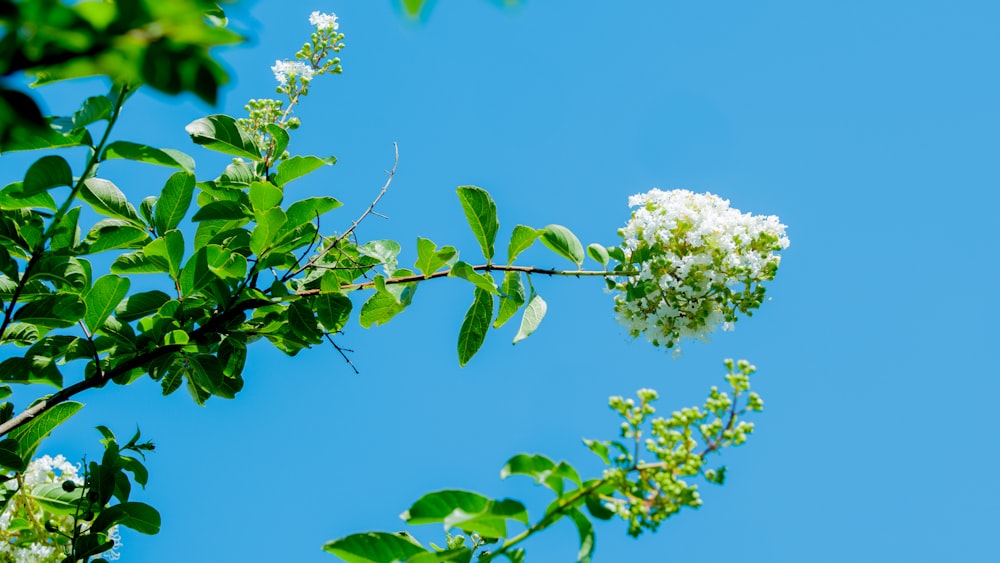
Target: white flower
324,21
697,262
284,70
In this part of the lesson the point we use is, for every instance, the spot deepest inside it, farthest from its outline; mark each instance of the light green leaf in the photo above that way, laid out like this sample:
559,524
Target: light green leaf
223,134
299,166
107,199
374,547
13,196
269,224
114,234
563,242
474,327
139,305
46,173
280,138
511,298
520,240
466,272
174,201
309,209
150,155
102,299
138,263
532,317
385,251
430,257
467,511
481,212
598,253
264,196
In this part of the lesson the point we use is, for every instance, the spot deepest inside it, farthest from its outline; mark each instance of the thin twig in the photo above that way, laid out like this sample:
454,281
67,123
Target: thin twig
342,352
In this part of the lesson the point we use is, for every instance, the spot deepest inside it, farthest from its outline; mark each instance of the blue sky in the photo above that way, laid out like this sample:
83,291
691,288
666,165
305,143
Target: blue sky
870,128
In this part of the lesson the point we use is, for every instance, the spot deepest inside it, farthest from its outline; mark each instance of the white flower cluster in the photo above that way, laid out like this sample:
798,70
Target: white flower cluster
324,21
697,262
23,514
285,70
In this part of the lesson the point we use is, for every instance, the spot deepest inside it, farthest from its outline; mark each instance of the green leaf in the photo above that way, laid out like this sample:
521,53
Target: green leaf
598,253
54,499
474,327
302,321
138,263
223,134
139,305
54,311
264,196
374,547
280,138
467,511
542,469
46,173
466,272
383,305
385,251
114,234
333,310
269,224
224,210
511,298
563,242
31,369
299,166
150,155
481,212
174,201
520,240
169,248
597,508
108,200
532,317
309,209
31,434
47,138
13,196
430,257
93,109
136,515
9,457
586,530
65,272
102,299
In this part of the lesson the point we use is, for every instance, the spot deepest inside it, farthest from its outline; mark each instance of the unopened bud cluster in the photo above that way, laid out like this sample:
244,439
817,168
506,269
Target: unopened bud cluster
697,262
648,492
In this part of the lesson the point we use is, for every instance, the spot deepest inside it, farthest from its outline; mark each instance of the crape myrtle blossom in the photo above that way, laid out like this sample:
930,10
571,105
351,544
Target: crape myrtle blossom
324,21
285,70
22,539
698,263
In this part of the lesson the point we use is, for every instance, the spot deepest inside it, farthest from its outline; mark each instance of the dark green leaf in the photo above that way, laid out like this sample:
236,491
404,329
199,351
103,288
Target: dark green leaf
30,434
8,456
299,166
31,369
511,298
333,310
65,272
138,263
223,134
173,202
520,240
563,242
55,311
45,173
532,317
481,212
474,327
103,298
107,199
374,547
598,253
150,155
280,138
114,234
597,508
93,109
136,515
223,210
586,530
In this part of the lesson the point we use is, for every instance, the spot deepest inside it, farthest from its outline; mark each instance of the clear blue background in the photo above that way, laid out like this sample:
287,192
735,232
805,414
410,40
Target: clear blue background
870,128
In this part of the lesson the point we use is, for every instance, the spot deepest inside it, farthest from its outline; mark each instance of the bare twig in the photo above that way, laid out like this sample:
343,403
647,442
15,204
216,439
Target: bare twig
343,352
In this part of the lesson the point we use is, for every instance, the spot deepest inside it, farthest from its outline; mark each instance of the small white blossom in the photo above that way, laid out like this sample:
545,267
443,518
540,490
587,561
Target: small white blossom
284,70
697,262
324,21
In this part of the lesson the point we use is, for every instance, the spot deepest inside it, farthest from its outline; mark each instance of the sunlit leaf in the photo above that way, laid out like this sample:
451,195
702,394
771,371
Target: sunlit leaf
299,166
466,272
475,326
520,240
103,298
223,134
45,173
107,199
374,547
151,155
511,298
481,212
532,317
173,202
